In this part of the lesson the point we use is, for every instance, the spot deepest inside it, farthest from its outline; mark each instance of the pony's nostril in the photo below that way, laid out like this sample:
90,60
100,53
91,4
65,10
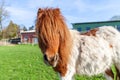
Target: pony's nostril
45,57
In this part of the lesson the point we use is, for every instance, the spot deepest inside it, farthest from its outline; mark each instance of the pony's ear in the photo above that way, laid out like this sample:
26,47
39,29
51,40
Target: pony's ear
39,10
39,13
57,10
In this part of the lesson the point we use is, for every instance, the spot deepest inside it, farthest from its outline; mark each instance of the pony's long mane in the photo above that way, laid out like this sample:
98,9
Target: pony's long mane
49,22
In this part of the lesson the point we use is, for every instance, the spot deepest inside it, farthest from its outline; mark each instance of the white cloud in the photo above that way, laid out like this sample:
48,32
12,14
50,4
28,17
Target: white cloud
21,15
19,12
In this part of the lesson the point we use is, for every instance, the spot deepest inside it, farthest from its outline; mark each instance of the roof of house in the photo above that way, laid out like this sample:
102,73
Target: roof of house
30,31
97,22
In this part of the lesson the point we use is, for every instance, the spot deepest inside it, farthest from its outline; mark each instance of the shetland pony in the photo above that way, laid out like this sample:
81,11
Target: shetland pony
70,52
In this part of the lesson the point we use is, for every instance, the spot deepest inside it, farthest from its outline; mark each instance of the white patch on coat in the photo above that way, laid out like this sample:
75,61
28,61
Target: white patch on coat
92,55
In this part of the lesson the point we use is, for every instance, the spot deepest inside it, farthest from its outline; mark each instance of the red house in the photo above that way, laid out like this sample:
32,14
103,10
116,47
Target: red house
28,36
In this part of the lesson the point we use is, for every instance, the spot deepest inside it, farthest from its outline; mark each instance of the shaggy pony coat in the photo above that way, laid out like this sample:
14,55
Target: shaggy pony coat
70,52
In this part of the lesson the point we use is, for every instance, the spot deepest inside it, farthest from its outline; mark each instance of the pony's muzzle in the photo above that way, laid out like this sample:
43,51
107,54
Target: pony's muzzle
51,60
56,58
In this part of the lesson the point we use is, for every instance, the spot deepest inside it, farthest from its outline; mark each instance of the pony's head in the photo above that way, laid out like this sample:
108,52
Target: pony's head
52,35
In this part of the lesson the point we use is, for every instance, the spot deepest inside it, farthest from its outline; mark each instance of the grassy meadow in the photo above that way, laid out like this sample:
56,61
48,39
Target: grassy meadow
25,62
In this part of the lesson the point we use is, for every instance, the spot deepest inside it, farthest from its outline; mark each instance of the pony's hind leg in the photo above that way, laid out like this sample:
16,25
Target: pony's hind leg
117,73
109,75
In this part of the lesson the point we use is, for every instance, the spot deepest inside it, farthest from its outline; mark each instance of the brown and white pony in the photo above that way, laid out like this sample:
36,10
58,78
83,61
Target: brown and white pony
70,52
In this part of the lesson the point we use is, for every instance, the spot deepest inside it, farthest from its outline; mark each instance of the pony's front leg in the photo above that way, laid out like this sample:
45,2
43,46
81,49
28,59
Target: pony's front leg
69,75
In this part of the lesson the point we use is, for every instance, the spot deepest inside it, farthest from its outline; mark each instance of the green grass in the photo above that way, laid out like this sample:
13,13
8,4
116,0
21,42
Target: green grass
25,62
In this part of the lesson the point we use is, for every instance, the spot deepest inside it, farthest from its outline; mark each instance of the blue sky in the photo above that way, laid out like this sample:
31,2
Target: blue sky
24,11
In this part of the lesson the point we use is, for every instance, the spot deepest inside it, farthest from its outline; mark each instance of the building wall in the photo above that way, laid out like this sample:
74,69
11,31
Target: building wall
90,25
28,37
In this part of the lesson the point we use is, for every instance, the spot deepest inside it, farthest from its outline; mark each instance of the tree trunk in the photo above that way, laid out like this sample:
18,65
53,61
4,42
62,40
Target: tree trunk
1,30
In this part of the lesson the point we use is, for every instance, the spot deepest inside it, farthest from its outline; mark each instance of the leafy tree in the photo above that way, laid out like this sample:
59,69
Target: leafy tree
31,28
4,34
24,28
12,30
